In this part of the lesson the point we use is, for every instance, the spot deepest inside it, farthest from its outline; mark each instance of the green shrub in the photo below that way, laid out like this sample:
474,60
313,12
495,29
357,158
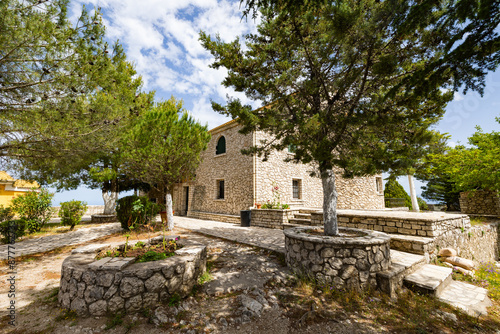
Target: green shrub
16,227
153,256
276,206
34,208
135,210
72,212
6,213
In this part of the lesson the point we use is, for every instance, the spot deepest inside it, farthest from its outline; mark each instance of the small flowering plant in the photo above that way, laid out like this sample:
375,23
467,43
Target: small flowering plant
487,276
275,203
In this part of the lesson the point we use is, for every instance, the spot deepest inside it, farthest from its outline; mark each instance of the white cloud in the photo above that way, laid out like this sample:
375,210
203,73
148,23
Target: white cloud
202,112
161,39
457,96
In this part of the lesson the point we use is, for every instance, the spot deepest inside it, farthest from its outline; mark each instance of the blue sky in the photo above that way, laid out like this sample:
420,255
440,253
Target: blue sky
161,38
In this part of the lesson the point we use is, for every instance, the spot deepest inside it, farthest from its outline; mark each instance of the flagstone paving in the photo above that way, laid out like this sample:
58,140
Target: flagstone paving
270,239
48,243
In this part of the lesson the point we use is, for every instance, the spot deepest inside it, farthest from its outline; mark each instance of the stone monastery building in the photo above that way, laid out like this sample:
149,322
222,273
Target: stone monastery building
227,181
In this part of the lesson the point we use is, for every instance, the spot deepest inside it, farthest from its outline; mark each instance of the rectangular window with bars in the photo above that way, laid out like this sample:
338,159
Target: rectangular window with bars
296,189
380,187
220,189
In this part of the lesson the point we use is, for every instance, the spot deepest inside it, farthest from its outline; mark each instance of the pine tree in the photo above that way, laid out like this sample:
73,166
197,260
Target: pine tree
60,83
163,148
66,97
466,29
323,75
393,189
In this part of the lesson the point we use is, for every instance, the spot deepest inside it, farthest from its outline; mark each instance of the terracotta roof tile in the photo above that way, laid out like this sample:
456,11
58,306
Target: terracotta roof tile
5,177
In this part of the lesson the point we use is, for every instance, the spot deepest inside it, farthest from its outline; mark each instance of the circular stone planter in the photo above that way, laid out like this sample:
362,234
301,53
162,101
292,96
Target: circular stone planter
110,285
345,262
102,219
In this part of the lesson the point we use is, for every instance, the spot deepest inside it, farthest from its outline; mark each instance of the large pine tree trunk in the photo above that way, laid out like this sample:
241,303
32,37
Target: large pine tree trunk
169,209
329,202
110,196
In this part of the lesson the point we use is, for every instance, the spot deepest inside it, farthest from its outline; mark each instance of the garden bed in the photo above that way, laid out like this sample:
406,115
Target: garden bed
143,252
121,284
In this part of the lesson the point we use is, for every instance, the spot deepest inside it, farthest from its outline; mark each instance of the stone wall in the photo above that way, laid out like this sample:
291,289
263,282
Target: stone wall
356,193
233,167
480,202
215,216
478,243
406,223
91,210
93,289
345,262
271,218
249,180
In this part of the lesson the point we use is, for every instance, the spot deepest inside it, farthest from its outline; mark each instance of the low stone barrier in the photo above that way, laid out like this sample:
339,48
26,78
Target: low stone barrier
345,262
110,285
479,243
272,218
215,216
480,202
103,219
406,223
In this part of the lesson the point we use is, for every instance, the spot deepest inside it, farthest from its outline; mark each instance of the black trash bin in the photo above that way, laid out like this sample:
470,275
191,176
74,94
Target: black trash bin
246,216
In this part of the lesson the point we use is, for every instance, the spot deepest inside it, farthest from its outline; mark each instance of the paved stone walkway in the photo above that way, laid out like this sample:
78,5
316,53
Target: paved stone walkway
48,243
271,239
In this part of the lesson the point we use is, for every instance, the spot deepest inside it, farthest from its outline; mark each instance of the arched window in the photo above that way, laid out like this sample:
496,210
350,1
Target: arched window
221,146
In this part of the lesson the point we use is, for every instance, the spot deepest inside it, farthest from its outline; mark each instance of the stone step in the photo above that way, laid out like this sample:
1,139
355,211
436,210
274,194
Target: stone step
429,279
308,211
303,216
402,264
412,244
299,221
470,298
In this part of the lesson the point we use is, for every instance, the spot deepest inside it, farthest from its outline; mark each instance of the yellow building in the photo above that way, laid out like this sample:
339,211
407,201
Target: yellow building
10,188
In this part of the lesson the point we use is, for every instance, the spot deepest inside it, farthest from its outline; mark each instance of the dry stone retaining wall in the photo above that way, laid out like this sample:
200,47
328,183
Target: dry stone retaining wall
95,288
345,262
478,243
480,202
384,222
429,234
